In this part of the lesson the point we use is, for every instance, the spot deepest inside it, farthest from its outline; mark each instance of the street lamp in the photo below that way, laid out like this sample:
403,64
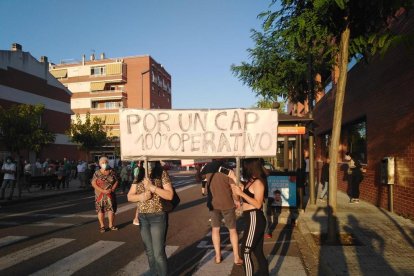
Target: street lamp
142,86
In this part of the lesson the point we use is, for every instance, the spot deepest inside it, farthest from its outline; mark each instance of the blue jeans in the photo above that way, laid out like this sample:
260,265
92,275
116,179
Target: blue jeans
153,227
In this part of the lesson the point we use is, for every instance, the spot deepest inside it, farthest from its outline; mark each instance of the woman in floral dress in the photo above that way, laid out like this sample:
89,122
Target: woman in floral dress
105,182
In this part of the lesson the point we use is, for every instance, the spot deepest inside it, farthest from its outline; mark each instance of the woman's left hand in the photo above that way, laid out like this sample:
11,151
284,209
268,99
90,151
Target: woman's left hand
148,185
236,190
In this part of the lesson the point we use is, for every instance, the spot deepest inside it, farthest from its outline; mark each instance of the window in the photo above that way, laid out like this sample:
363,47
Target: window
112,105
153,76
112,87
95,105
98,71
356,139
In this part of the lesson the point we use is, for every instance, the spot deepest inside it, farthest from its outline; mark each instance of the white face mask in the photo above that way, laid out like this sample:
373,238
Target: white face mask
347,157
104,166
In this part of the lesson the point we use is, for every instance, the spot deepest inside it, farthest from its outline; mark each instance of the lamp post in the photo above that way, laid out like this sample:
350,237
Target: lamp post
142,86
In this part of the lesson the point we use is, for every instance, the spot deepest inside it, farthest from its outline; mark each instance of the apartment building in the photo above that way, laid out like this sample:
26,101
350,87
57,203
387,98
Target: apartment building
103,86
26,80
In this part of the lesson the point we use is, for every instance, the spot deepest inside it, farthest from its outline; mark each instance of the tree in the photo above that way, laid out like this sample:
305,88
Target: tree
22,128
89,134
265,103
328,32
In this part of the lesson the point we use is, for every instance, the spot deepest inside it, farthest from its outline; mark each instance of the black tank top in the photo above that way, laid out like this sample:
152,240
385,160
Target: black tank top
246,190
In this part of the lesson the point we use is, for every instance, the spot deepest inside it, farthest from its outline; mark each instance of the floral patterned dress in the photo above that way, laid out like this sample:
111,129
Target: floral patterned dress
105,202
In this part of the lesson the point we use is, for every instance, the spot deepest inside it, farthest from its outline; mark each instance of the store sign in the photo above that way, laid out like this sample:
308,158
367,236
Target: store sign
294,130
197,134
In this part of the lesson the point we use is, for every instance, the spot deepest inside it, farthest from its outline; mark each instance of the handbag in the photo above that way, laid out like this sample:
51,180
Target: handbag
170,205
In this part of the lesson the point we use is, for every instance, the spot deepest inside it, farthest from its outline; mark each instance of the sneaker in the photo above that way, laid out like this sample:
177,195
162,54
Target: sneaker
135,222
268,236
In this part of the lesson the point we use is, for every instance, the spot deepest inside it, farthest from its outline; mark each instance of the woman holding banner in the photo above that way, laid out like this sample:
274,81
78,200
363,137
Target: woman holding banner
252,196
149,194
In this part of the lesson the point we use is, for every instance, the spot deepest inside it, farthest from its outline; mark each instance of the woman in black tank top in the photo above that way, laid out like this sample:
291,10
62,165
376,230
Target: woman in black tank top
252,196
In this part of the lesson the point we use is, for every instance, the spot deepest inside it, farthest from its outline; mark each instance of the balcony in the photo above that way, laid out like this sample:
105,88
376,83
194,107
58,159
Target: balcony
108,94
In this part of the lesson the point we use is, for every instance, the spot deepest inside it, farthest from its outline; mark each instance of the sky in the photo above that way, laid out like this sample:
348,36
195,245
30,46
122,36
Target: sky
196,41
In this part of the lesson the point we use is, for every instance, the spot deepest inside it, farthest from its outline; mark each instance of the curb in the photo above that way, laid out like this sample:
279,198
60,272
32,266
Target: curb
29,199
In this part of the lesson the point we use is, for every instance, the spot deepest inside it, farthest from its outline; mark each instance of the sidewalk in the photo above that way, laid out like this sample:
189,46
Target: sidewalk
37,193
382,242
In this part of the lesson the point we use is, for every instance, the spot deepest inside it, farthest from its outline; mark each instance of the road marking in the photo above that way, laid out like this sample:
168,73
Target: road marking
42,224
46,209
31,251
221,233
80,259
11,239
185,188
139,266
207,265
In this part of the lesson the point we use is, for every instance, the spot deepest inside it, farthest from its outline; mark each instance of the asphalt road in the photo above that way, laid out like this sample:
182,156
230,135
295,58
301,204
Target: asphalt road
60,236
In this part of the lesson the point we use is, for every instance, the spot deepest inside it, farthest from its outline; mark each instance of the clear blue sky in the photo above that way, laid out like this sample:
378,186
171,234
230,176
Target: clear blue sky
195,40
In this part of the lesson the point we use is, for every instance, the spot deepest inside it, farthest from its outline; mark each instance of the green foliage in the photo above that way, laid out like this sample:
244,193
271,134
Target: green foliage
267,103
22,128
89,134
306,33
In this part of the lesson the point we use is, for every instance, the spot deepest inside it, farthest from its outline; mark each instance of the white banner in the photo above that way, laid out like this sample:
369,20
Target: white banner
180,134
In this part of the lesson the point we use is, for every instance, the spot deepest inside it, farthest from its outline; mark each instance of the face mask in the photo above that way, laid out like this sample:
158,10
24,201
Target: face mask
8,161
104,166
347,157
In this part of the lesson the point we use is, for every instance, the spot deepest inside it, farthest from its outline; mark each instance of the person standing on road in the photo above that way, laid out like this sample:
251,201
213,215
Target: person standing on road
81,168
149,194
325,178
9,170
221,203
105,182
254,221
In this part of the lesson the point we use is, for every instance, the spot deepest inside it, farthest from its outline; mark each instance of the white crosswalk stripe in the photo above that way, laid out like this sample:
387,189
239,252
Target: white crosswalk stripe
207,265
43,224
139,266
10,240
31,251
80,259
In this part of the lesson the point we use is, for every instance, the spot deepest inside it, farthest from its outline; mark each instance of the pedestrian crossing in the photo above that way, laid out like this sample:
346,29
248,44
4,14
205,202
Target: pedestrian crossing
31,251
75,261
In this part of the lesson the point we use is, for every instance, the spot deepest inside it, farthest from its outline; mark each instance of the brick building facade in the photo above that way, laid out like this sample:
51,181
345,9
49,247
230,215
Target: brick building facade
25,80
378,118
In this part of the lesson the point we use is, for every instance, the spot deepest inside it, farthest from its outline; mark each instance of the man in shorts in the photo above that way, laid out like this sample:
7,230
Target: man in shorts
222,203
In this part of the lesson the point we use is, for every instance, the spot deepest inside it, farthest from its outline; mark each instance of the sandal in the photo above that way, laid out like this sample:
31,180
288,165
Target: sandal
113,228
240,262
102,229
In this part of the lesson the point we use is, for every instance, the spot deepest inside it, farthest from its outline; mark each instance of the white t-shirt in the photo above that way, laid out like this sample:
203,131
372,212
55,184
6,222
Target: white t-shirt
11,167
81,168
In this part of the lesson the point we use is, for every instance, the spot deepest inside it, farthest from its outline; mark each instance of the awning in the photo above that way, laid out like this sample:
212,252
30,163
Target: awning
114,69
97,86
62,73
108,119
114,132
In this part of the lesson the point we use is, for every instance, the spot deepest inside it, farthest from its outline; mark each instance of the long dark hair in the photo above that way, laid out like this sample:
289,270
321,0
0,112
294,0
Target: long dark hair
253,169
156,172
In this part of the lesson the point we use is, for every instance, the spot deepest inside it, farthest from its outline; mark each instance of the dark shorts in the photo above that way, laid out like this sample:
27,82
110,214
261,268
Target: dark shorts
228,215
